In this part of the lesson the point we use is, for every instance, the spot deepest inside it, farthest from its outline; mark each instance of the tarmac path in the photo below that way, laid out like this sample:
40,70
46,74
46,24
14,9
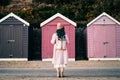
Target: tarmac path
51,73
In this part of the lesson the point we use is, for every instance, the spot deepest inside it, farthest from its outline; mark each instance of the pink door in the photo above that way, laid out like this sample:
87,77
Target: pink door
98,42
104,41
47,47
118,41
45,42
71,47
110,41
50,46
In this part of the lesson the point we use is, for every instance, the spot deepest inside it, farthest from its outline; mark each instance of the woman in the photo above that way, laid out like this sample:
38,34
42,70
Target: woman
60,56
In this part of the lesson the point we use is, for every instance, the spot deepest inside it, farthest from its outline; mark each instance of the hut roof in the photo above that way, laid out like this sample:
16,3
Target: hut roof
15,16
103,14
55,16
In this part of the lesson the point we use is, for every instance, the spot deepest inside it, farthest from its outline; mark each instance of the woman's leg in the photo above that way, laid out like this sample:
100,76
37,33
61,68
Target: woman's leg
61,71
58,72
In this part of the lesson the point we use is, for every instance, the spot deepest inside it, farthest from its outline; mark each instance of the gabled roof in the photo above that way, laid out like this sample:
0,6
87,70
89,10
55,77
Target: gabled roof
15,16
103,14
55,16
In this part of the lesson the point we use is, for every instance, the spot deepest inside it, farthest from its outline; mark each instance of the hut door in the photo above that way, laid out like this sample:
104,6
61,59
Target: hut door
71,47
99,38
104,41
11,46
17,44
5,48
50,33
47,49
110,41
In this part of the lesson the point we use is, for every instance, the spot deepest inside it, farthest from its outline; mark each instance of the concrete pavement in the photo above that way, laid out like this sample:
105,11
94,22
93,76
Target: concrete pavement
71,64
79,70
74,73
50,74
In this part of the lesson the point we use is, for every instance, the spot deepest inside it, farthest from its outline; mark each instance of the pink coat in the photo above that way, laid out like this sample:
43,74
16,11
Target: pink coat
60,57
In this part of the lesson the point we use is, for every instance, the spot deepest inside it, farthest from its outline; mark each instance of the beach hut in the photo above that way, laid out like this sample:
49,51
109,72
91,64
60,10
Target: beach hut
49,27
103,38
13,38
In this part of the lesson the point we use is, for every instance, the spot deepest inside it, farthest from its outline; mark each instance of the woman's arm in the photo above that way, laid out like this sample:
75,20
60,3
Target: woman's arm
53,40
67,39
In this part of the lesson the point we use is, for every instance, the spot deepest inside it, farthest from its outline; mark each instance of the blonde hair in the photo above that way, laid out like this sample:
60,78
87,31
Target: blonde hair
59,25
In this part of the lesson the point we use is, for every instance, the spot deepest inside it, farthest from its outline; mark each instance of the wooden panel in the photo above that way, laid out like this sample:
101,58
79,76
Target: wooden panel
17,45
118,41
90,52
52,29
14,39
6,47
45,42
11,41
70,31
11,21
104,20
110,41
99,40
47,32
104,41
24,41
56,20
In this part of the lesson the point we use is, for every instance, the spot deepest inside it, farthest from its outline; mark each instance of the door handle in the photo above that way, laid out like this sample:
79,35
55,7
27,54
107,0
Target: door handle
11,41
105,43
11,55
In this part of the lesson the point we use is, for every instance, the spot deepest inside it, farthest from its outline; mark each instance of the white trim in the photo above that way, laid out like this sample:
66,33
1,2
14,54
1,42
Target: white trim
47,59
104,58
57,15
103,14
13,59
13,15
50,59
71,59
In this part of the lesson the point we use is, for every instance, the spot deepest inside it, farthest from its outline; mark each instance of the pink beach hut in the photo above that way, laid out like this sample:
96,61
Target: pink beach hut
103,38
49,27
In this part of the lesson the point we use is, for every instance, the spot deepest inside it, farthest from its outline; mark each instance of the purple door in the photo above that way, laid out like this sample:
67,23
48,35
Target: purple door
110,41
104,41
99,38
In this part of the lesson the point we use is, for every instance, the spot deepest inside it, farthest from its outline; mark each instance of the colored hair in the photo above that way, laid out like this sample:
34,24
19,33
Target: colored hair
61,33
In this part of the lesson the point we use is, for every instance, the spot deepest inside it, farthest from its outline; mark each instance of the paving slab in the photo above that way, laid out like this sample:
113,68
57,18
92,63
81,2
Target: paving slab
48,64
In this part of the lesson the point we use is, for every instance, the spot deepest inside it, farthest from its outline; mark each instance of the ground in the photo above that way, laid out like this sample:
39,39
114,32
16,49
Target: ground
71,65
48,64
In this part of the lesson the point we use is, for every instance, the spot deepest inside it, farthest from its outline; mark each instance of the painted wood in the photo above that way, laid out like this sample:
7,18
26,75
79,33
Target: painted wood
110,41
118,40
99,40
103,37
49,27
13,37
